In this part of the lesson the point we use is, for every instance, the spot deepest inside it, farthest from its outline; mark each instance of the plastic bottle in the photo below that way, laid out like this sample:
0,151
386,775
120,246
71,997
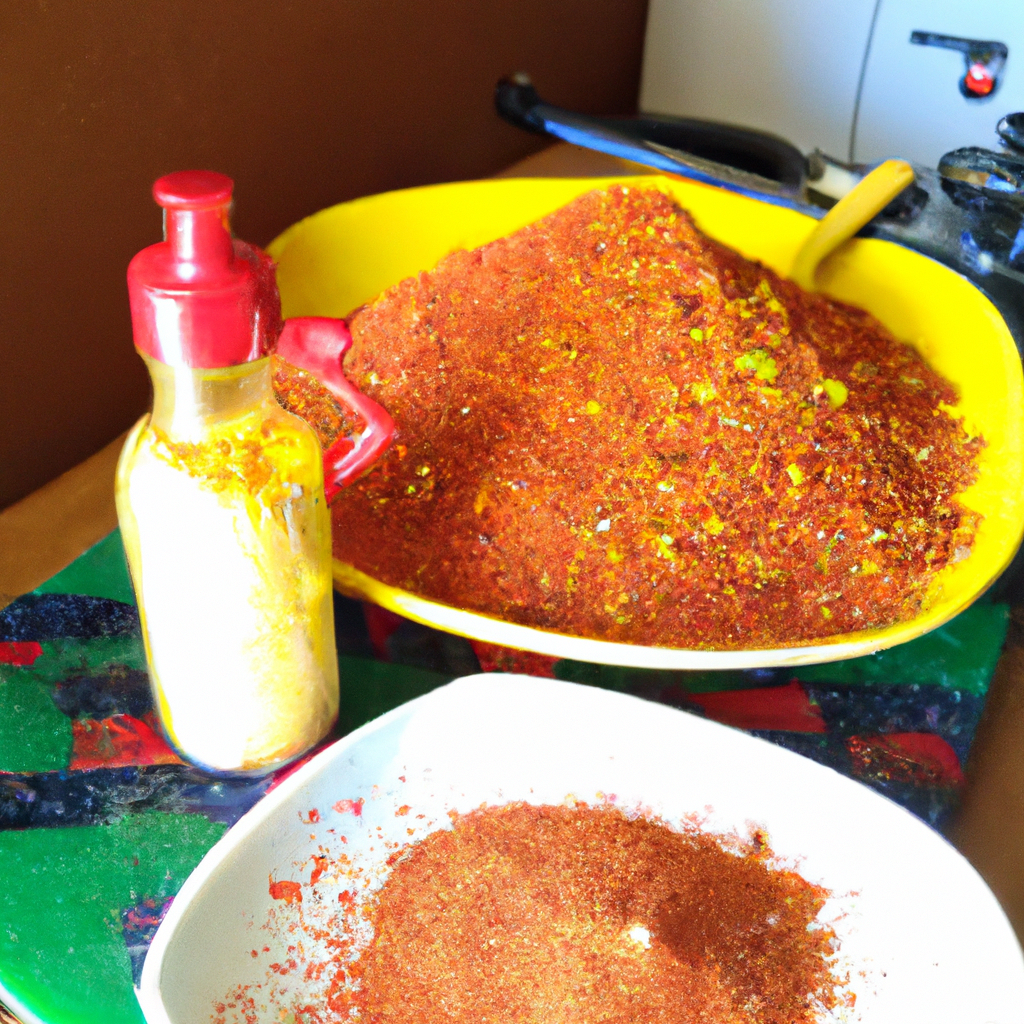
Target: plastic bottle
220,497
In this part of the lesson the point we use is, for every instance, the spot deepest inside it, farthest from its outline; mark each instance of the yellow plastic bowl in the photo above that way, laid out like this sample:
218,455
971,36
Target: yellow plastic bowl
344,256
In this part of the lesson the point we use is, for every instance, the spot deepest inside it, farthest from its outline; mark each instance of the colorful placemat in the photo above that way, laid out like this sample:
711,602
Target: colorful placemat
100,822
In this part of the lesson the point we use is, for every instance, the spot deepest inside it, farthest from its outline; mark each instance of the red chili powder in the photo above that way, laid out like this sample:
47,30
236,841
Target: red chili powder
288,891
611,425
580,914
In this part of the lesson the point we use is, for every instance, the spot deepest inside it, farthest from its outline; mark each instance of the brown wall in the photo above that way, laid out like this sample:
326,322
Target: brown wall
305,104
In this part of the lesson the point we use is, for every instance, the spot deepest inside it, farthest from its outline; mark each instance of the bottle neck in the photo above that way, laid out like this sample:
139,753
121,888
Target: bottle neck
200,243
187,402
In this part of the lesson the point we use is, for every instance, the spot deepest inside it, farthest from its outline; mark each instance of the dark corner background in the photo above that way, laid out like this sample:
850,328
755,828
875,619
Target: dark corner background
304,104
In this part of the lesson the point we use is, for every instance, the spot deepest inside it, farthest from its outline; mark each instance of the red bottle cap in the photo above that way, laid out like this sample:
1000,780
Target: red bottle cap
199,298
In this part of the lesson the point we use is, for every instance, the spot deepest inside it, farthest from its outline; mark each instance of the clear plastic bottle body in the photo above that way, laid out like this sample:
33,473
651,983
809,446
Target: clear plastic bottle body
221,503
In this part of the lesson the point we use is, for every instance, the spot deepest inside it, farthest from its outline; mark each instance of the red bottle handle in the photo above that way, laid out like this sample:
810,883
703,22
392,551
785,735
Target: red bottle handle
318,345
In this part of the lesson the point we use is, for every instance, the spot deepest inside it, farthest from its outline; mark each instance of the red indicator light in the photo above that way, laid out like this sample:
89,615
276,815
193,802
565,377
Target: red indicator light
978,81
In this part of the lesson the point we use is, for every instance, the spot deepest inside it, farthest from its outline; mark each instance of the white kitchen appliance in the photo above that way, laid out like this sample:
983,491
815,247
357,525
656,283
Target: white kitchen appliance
861,80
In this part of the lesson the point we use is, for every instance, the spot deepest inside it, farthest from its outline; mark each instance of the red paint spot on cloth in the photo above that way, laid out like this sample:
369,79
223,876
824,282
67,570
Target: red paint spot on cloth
290,892
402,811
495,658
118,742
920,758
19,652
311,818
786,708
350,807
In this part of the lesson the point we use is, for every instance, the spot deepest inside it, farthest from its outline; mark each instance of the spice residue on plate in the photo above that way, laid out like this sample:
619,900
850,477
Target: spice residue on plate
612,426
559,914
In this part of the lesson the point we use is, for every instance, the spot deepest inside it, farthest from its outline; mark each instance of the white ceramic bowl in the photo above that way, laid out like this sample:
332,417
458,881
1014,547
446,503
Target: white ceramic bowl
920,932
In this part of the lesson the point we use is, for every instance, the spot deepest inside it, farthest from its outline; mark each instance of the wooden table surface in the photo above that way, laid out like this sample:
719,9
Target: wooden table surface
50,528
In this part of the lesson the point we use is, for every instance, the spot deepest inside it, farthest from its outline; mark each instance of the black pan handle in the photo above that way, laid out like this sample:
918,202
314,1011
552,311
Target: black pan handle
740,159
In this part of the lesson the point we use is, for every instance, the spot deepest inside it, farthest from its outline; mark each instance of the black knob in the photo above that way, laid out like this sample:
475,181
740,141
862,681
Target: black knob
1011,130
1002,173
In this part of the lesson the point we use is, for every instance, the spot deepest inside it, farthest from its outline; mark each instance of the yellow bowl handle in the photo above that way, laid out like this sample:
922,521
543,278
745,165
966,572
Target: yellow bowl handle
869,197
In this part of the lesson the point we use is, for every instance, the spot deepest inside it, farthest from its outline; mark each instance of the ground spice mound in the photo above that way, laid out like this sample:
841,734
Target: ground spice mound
612,426
552,915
